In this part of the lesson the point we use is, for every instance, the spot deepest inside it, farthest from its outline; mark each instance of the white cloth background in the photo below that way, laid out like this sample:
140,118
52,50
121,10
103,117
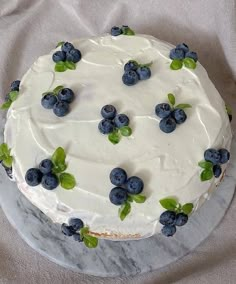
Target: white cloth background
29,28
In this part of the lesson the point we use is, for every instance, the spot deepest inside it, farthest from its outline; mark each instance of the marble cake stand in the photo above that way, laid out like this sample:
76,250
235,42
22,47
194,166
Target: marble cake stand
114,258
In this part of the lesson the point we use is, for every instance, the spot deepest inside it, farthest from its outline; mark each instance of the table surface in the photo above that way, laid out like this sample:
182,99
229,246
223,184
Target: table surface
30,28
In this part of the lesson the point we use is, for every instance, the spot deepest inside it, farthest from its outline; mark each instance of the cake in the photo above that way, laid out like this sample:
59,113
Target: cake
166,161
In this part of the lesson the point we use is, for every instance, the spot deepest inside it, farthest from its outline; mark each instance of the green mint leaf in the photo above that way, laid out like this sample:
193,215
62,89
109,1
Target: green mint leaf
8,161
84,231
127,31
183,106
6,105
169,204
13,95
189,63
129,198
205,165
45,93
70,65
228,110
58,159
67,181
138,198
124,210
171,99
60,66
206,174
187,208
90,241
4,150
114,137
125,131
56,90
176,64
60,43
178,209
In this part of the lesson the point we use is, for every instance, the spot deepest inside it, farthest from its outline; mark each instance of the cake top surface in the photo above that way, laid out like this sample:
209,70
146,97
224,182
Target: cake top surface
167,163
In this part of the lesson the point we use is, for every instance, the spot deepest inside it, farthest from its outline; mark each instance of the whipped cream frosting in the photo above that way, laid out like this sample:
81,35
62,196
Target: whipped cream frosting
167,163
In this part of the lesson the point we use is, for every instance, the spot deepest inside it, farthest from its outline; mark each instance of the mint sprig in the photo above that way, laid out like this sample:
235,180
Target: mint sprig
172,100
115,136
57,89
67,180
127,31
62,66
125,208
89,241
188,62
5,155
60,43
207,172
12,96
172,205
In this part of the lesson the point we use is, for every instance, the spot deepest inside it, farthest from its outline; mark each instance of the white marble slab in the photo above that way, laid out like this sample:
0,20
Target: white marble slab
114,258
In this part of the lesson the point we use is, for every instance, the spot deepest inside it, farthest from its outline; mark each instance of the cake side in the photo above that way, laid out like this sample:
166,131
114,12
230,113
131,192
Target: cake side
168,164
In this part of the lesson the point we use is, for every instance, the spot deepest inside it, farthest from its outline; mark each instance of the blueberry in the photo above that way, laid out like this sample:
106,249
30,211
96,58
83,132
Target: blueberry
106,126
167,218
163,110
192,54
118,176
118,195
134,185
77,237
33,177
212,155
130,78
144,73
108,111
183,46
181,219
67,230
76,224
115,31
66,95
73,55
179,115
217,170
224,156
168,230
50,181
49,100
45,166
59,56
167,125
15,85
176,53
61,109
121,120
67,46
131,65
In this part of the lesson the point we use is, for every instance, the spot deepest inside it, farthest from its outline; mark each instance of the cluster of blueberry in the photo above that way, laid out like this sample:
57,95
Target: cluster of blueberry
176,215
126,190
43,174
12,95
58,100
170,114
75,224
125,30
213,159
182,55
79,232
66,57
170,220
135,72
114,124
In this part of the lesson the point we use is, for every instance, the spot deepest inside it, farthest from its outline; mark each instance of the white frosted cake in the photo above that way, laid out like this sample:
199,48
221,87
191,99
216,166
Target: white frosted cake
167,163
